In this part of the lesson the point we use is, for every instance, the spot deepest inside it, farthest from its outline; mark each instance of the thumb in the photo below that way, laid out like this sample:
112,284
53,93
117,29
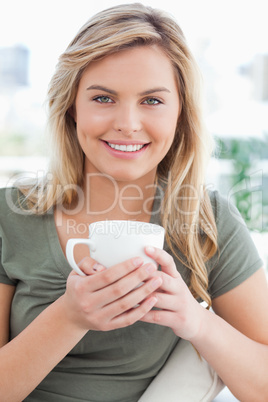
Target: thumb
90,266
164,259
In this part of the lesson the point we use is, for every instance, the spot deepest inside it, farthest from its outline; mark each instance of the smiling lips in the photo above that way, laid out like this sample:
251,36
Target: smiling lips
126,148
122,149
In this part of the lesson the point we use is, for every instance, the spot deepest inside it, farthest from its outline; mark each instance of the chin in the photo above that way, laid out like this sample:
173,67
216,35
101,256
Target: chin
133,175
124,177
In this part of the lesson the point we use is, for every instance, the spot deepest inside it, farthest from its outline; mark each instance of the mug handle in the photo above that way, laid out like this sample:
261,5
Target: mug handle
71,243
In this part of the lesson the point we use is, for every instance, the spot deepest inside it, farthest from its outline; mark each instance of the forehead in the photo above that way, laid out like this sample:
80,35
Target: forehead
143,63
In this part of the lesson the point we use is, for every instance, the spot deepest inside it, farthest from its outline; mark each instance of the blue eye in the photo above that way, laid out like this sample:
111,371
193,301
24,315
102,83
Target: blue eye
152,101
103,99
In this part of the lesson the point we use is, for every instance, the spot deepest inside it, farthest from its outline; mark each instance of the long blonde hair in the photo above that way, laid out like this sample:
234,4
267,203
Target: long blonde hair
182,169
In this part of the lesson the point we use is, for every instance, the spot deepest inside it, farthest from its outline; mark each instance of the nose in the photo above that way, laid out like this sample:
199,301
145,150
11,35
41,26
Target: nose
127,120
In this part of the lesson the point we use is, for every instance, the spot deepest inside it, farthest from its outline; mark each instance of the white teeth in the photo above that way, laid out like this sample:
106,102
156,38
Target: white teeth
126,148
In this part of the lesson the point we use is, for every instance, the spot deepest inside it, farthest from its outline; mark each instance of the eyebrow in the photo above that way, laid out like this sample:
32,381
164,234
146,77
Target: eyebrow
152,90
112,92
101,88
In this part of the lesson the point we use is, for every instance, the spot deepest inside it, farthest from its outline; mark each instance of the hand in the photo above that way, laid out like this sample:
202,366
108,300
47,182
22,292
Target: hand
106,300
178,308
90,266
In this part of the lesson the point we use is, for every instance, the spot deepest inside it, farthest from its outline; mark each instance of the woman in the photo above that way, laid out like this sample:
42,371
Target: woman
128,143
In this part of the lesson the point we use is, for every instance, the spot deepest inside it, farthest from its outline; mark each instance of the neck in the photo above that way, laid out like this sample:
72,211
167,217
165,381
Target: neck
106,198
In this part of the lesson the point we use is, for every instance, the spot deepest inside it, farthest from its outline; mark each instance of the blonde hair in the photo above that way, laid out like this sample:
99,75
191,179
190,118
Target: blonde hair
182,169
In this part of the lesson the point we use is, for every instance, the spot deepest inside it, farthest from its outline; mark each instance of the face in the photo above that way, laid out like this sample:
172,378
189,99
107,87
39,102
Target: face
126,110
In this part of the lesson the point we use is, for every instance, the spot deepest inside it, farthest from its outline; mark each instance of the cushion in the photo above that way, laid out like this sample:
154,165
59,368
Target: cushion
185,377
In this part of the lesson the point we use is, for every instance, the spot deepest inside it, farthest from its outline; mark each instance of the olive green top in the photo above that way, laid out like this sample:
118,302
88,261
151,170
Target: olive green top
111,366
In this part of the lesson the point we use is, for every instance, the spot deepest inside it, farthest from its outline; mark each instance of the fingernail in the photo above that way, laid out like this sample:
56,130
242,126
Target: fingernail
150,268
137,261
98,267
150,249
156,283
151,302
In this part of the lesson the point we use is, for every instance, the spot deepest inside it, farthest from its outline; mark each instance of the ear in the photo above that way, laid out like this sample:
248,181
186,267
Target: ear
72,112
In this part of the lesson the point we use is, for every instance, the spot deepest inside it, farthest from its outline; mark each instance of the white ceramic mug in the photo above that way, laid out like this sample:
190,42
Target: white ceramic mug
112,242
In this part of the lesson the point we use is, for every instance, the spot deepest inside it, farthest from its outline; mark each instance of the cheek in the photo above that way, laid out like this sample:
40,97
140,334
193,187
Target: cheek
164,128
171,124
91,124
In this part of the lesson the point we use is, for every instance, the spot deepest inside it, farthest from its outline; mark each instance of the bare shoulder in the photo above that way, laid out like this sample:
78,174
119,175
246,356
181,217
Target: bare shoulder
6,296
246,307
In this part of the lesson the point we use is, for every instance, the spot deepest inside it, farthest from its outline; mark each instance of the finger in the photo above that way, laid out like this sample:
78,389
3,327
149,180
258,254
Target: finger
135,314
170,285
90,266
114,274
163,259
166,301
160,317
120,299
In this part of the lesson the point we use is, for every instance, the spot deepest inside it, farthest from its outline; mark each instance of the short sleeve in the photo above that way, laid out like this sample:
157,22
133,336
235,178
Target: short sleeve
3,276
237,257
6,236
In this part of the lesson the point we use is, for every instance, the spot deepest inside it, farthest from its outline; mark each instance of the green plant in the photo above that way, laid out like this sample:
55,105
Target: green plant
244,155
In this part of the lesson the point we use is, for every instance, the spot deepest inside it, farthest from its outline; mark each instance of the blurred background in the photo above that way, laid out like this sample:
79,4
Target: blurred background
229,39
